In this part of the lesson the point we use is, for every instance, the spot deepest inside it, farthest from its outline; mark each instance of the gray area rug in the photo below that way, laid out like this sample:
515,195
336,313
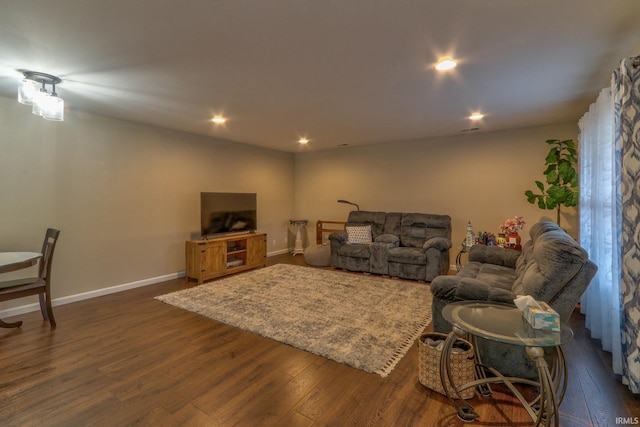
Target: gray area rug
368,322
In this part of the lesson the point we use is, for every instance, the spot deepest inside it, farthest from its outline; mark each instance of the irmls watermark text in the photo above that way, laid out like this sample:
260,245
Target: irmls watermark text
627,420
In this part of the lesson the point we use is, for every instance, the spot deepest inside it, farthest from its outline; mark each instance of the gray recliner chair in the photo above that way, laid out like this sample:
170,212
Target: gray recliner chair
552,268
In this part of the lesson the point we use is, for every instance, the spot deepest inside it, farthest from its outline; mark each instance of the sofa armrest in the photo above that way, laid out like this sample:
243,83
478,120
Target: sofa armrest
339,237
456,288
336,241
379,261
391,239
494,255
448,289
436,251
439,243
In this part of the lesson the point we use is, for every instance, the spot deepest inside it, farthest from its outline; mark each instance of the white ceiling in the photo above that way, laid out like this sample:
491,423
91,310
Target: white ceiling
336,71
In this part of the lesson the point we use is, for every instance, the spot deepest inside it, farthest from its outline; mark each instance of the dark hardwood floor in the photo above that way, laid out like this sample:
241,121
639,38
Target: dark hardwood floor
126,359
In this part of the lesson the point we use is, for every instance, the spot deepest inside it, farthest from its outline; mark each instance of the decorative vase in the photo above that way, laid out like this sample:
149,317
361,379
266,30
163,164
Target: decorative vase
513,241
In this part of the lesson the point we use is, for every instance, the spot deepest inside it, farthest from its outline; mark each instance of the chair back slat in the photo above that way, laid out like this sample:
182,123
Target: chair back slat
48,247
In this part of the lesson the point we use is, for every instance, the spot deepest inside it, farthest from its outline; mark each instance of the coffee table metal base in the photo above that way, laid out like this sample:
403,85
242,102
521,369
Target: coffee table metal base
552,384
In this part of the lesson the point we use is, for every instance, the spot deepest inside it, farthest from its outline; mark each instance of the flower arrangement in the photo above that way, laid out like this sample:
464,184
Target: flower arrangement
512,225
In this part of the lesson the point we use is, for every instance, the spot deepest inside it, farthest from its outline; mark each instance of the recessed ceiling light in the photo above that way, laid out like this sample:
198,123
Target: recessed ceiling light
218,120
476,116
446,64
303,141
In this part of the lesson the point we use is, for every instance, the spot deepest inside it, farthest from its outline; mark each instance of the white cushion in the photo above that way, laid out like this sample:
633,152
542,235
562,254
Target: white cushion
358,234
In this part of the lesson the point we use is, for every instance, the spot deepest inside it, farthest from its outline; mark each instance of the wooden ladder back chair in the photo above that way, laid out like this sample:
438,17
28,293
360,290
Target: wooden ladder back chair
40,285
321,229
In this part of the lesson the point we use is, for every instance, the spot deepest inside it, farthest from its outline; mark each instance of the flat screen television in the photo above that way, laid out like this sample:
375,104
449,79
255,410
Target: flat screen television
228,213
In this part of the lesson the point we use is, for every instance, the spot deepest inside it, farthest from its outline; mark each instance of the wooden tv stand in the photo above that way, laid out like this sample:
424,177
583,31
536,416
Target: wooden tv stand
208,259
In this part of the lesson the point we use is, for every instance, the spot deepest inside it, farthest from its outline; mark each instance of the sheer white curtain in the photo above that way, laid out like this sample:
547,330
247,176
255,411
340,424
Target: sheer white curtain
599,225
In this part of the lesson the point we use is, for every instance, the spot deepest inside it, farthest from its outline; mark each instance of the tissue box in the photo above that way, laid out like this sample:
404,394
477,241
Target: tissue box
544,317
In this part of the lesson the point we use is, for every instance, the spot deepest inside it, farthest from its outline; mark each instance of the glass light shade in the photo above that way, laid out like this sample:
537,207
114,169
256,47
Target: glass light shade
40,102
28,89
446,64
53,109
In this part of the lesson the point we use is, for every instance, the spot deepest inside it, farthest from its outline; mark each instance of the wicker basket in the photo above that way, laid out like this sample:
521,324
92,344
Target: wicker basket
461,362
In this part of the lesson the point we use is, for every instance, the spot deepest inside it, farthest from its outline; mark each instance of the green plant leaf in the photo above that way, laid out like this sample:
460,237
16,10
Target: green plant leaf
540,186
572,199
574,181
566,171
557,193
552,157
531,198
541,204
551,204
552,177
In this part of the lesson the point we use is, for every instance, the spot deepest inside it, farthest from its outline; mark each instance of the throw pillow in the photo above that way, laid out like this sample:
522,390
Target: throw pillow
358,234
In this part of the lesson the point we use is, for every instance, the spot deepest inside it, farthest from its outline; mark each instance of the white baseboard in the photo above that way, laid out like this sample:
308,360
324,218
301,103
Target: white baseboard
15,311
279,252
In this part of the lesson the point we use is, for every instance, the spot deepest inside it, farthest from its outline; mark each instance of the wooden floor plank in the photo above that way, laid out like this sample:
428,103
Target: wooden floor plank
128,359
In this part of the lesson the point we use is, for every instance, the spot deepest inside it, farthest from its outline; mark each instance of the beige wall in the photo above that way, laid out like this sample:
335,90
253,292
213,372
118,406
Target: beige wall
125,196
479,177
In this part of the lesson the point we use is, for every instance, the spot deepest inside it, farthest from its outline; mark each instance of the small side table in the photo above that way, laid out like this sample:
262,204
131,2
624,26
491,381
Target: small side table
504,323
299,223
463,250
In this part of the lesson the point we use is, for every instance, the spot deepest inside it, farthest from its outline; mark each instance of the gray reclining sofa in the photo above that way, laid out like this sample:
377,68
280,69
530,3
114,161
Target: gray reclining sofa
552,268
411,246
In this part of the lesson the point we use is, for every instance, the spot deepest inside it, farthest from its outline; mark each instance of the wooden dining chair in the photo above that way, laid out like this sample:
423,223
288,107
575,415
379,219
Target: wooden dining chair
40,285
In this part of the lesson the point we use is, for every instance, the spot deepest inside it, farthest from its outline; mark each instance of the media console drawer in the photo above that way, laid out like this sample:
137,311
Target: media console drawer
208,259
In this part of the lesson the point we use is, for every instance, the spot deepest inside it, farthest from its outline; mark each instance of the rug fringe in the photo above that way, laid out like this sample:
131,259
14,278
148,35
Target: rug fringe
386,369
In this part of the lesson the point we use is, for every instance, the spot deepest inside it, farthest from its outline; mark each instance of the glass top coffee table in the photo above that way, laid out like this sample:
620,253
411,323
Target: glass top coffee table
504,323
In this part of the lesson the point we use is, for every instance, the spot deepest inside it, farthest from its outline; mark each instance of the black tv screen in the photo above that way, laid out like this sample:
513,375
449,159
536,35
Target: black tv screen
225,213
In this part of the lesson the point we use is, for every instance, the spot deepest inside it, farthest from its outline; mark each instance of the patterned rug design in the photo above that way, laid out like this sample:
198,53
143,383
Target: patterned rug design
368,322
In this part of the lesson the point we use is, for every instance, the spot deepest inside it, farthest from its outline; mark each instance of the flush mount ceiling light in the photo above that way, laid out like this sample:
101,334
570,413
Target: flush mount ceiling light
476,116
303,141
33,91
446,64
218,120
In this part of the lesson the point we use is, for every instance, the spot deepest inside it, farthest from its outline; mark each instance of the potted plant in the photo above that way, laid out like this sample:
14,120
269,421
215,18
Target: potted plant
561,178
